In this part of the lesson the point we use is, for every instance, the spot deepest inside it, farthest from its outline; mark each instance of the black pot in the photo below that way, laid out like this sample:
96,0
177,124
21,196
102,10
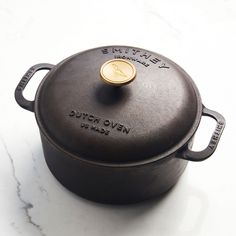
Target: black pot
118,144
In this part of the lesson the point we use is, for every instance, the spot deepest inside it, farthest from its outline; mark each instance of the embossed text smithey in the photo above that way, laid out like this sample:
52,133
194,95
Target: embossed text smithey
216,135
25,79
135,54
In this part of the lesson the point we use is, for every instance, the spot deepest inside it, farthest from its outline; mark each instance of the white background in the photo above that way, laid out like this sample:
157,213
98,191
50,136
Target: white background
199,35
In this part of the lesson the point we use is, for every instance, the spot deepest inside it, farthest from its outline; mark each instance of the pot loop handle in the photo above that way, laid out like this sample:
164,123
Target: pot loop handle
24,103
187,154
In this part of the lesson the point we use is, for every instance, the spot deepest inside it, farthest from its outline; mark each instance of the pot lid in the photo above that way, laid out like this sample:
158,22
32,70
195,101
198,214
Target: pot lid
118,104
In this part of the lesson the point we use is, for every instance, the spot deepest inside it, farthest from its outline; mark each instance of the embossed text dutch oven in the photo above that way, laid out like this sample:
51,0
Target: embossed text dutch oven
117,122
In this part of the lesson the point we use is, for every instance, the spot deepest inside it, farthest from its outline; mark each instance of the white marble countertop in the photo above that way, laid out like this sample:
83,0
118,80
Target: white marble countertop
198,35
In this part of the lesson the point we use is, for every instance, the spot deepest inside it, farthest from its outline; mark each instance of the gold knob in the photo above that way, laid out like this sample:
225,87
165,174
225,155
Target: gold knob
118,72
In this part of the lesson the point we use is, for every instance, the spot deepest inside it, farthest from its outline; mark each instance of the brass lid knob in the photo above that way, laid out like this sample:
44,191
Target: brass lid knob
117,72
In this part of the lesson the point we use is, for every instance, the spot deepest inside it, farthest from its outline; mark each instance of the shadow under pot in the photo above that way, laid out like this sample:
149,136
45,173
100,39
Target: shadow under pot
117,122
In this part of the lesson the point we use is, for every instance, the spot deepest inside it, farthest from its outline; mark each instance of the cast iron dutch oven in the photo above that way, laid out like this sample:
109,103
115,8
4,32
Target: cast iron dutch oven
113,141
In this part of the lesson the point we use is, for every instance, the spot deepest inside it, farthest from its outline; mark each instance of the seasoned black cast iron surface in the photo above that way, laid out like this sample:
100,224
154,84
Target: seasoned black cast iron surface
156,113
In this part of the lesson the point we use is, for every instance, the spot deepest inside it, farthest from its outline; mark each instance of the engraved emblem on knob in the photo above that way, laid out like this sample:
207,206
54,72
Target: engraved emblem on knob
118,72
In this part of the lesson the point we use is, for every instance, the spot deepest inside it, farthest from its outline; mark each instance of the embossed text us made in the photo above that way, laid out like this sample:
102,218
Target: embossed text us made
138,55
97,124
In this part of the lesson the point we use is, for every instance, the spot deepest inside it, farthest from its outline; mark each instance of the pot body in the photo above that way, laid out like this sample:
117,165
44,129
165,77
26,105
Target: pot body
115,181
108,184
